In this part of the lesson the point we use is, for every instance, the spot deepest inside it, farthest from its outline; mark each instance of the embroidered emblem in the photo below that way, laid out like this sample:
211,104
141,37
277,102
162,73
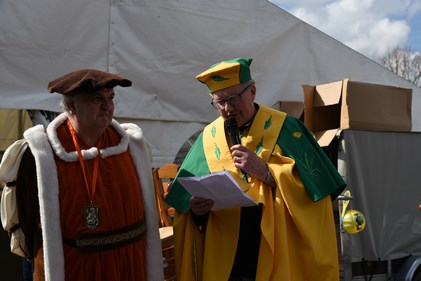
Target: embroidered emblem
268,122
213,131
217,152
297,134
308,165
219,78
259,147
245,177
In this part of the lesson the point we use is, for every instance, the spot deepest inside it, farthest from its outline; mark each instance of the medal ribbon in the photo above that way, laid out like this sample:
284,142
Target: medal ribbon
82,163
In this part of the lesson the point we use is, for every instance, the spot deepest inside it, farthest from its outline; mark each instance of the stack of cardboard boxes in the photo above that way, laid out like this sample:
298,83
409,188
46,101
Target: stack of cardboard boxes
354,105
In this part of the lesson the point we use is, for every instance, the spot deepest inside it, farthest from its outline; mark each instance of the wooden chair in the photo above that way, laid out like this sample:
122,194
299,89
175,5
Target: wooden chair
168,254
163,177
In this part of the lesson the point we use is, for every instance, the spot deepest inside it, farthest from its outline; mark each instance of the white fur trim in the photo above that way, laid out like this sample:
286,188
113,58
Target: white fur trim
86,153
48,202
139,146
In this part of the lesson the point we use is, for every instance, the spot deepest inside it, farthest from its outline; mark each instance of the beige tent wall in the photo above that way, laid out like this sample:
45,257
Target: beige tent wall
13,123
161,46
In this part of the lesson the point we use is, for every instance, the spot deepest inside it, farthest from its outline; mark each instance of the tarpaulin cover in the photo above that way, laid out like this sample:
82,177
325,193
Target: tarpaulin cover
382,170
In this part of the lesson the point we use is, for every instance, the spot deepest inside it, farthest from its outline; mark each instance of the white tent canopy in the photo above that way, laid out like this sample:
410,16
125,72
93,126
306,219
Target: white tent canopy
161,45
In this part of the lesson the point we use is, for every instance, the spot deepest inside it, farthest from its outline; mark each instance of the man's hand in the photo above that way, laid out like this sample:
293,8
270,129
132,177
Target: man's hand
248,161
200,206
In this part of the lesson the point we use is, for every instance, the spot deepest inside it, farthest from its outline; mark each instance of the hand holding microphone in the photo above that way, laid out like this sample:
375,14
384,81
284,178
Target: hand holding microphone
242,155
232,128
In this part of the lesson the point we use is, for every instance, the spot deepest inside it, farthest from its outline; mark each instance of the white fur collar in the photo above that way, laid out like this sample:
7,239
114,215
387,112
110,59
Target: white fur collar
86,153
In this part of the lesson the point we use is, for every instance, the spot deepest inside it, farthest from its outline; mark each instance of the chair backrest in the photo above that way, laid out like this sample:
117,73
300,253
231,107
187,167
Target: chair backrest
163,177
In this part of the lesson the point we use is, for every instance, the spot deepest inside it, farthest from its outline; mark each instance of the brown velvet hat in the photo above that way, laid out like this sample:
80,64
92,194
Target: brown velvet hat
86,80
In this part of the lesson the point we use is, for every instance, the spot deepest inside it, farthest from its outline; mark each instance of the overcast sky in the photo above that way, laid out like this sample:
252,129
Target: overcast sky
371,27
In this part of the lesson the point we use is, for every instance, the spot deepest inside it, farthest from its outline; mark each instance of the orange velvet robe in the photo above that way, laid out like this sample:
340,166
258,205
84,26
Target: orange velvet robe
123,194
120,204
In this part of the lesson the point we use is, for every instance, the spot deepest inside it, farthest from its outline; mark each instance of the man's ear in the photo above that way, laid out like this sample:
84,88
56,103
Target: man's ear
253,91
71,106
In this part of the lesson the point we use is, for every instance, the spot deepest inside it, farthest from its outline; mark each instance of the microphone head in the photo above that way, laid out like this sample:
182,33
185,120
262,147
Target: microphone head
232,128
231,123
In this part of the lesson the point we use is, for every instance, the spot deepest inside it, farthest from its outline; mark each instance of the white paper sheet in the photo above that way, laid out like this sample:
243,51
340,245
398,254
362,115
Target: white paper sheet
220,187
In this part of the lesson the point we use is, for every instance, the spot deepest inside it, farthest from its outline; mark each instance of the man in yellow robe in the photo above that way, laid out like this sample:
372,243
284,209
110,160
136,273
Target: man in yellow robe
290,234
84,189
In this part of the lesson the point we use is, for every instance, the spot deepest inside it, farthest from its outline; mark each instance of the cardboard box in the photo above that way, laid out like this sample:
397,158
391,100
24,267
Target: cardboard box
293,108
354,105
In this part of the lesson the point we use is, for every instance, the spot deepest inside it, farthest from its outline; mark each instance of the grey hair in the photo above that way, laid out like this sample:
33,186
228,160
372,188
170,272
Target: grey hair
67,99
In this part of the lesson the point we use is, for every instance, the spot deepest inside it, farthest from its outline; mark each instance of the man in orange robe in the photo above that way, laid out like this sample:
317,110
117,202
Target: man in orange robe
84,189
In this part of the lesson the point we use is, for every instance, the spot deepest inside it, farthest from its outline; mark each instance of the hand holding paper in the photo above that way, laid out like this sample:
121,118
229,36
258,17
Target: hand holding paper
220,187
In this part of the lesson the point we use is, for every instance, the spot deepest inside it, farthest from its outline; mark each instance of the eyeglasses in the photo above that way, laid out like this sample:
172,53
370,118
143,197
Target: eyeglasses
233,100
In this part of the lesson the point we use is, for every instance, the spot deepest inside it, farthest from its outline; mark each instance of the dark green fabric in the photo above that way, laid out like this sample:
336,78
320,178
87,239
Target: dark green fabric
194,164
317,172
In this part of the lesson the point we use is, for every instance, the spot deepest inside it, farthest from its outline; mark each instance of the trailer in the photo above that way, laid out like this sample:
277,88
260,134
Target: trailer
383,173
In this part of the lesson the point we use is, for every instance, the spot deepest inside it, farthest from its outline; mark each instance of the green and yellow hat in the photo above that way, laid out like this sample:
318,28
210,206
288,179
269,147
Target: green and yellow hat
226,74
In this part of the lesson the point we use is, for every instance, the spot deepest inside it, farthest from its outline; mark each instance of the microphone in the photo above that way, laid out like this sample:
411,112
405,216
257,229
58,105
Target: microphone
232,128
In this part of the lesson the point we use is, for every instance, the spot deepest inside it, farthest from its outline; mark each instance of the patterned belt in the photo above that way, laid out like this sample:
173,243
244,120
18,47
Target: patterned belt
108,240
